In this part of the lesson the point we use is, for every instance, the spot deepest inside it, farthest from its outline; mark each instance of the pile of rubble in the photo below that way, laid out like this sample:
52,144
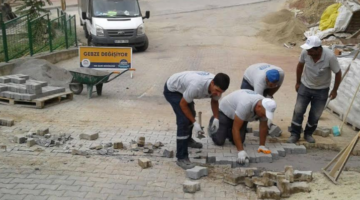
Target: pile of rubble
42,137
20,87
272,185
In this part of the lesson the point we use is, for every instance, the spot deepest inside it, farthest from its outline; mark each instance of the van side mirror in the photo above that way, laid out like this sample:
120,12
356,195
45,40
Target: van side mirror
83,15
147,15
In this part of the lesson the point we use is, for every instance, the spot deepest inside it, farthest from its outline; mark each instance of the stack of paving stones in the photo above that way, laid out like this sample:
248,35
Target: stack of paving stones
272,185
20,87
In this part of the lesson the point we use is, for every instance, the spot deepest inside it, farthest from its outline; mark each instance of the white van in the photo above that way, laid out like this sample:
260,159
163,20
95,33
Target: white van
113,23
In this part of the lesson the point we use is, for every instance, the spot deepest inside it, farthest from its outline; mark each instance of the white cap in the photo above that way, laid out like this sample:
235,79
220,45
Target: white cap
312,41
270,107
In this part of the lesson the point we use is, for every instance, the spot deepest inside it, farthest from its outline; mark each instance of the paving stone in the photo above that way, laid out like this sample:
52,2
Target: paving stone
30,142
281,151
89,136
284,186
168,154
303,176
234,179
224,160
268,192
301,149
141,141
270,175
252,156
288,147
6,122
264,158
274,153
42,131
118,145
262,181
256,133
235,164
289,173
21,140
298,187
249,130
322,131
158,144
144,163
249,182
148,151
275,131
191,186
196,172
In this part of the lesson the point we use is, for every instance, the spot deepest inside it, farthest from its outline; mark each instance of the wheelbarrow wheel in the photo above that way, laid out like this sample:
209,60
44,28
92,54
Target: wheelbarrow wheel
76,88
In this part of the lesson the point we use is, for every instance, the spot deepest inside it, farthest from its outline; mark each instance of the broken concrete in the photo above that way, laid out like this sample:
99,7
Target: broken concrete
42,131
118,145
89,136
289,173
168,154
268,192
303,176
284,186
298,187
144,163
234,179
191,187
197,172
141,141
262,181
31,142
249,182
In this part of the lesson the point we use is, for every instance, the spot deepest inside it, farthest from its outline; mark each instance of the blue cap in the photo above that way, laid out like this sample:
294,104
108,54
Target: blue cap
273,75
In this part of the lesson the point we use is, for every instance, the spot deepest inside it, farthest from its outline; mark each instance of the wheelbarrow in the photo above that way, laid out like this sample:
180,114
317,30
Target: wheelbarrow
91,78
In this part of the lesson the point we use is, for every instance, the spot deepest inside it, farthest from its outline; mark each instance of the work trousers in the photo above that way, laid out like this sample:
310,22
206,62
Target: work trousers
225,130
184,126
317,99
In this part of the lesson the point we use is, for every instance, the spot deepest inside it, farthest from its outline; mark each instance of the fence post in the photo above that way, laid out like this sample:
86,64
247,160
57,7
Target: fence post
57,9
76,43
70,26
49,30
3,29
66,36
30,37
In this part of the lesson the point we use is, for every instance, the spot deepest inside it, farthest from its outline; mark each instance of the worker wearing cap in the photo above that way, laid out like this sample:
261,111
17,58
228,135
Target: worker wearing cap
236,109
180,90
263,78
313,76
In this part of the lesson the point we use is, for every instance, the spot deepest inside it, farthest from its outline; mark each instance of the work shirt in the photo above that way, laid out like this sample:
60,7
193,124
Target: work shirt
256,76
192,84
241,103
318,75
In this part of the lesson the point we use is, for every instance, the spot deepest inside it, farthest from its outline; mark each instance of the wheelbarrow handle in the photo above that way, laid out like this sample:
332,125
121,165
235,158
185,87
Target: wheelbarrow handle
116,75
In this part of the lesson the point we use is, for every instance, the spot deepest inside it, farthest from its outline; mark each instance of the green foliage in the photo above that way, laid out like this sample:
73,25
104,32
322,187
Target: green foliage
33,7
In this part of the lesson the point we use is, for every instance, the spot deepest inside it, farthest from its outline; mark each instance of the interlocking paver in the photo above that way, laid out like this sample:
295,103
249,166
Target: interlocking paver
52,192
9,191
36,197
74,194
89,189
84,183
51,187
98,196
5,180
7,186
21,180
30,191
13,197
25,186
110,191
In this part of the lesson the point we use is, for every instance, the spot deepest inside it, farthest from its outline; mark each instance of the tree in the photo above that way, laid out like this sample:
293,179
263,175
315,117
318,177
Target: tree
33,7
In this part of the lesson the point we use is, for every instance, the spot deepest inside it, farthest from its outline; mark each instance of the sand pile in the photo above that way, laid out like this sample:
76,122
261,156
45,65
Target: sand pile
43,70
283,27
312,9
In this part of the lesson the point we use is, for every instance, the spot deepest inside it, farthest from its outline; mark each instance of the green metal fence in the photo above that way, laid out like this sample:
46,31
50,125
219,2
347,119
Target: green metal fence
24,36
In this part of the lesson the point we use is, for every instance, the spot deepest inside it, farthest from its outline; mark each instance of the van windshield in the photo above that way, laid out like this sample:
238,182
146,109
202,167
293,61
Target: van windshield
115,8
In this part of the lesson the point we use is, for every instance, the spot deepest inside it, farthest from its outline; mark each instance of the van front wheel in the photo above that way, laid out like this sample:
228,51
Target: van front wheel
144,47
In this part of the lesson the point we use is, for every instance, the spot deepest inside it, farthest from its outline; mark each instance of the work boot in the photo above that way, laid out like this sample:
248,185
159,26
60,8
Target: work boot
309,138
293,139
193,144
185,163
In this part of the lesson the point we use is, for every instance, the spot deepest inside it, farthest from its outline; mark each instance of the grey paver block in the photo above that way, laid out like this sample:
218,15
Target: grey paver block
301,149
32,192
9,191
89,136
74,194
191,186
299,187
252,157
53,192
93,195
13,197
7,185
25,186
197,172
168,154
264,158
281,151
110,191
274,153
69,188
256,133
42,131
36,197
303,176
275,131
84,183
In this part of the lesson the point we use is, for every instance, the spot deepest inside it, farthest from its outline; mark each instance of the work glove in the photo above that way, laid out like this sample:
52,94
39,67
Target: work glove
264,150
215,125
242,156
197,129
